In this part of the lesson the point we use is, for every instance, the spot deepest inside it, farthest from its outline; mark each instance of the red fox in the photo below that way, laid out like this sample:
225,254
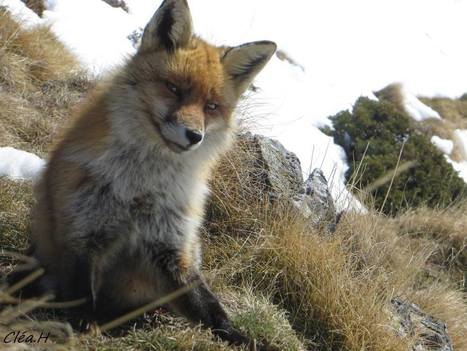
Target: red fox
121,200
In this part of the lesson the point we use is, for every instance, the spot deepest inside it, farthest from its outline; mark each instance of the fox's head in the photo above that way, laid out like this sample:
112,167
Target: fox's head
186,89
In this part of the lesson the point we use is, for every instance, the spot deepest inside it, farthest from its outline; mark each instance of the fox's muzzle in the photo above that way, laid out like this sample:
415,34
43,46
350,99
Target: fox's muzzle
180,138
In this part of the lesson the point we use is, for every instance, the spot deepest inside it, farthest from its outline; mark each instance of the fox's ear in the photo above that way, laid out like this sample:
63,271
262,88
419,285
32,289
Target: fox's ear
242,63
169,28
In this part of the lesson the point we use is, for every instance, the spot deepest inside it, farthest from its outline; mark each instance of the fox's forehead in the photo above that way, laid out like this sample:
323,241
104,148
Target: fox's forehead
198,67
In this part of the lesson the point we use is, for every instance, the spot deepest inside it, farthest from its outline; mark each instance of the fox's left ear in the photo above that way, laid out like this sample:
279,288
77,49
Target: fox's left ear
242,63
169,28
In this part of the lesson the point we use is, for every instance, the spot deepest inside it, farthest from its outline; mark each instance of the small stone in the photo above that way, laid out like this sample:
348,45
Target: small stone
117,4
431,333
135,37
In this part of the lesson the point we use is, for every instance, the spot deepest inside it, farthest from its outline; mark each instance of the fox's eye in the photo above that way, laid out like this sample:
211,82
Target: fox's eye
173,88
211,106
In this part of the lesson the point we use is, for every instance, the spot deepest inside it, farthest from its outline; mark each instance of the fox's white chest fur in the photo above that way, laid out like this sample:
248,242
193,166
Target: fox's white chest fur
149,196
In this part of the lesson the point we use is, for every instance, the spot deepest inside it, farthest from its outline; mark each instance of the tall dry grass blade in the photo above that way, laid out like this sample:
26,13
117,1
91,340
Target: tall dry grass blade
25,281
10,314
356,174
390,175
393,177
52,305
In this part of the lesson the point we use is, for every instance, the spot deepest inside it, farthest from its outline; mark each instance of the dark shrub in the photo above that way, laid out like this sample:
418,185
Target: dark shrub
382,129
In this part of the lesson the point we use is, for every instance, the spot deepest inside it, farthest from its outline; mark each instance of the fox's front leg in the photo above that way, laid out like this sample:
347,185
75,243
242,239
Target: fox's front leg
199,304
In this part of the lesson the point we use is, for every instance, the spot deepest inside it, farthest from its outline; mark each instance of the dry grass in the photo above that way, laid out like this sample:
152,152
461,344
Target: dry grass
392,93
279,281
453,110
273,275
446,229
444,129
31,57
13,320
39,83
337,291
238,191
454,113
329,302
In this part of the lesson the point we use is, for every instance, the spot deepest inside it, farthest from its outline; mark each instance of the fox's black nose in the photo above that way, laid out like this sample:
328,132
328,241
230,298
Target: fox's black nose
194,136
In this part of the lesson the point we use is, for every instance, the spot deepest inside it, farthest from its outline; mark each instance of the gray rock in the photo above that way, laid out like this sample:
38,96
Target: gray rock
319,209
135,37
431,333
117,4
283,56
280,174
281,168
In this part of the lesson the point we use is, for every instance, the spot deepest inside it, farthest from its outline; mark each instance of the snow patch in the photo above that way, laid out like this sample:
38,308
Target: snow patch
332,160
444,145
415,108
460,140
460,167
19,165
373,97
94,31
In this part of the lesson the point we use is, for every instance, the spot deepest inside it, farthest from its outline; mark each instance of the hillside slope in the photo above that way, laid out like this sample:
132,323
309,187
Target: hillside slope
280,280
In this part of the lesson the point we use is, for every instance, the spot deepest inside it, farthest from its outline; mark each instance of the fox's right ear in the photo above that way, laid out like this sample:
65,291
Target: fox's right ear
169,28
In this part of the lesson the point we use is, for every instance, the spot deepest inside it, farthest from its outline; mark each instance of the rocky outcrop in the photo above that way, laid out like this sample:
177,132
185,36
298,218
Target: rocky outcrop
430,333
281,176
280,169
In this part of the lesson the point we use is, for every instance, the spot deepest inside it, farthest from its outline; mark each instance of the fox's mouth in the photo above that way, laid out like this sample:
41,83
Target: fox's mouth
175,147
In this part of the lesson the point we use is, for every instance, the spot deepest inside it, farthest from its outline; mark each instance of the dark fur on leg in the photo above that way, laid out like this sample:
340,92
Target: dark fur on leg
199,304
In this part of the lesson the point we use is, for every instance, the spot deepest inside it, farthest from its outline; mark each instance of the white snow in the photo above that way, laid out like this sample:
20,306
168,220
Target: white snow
460,140
415,108
444,145
347,49
19,165
94,31
460,167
